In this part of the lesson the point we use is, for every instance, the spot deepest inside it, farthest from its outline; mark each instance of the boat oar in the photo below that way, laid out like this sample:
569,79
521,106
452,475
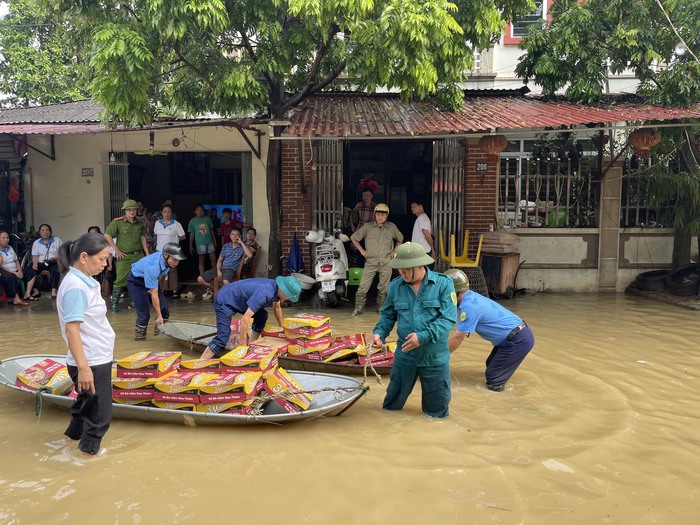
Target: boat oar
202,337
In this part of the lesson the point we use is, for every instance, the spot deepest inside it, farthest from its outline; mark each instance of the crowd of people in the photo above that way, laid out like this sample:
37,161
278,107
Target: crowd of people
433,313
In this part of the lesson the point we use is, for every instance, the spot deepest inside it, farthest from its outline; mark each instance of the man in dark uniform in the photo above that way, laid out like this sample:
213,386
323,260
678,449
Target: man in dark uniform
249,297
130,245
143,284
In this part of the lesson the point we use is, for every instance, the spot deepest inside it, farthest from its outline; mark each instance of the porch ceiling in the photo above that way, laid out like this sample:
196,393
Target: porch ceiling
349,115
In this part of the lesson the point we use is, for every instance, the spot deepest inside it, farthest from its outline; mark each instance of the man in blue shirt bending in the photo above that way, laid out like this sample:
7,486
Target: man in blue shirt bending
424,306
142,282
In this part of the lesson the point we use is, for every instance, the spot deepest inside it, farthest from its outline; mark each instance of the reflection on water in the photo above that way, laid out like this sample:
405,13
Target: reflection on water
599,425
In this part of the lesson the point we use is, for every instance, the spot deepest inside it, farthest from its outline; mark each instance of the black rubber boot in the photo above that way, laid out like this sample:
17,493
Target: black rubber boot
116,296
140,333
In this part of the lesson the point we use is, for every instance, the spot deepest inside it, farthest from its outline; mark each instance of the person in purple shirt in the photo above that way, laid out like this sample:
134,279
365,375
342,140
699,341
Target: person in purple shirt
249,297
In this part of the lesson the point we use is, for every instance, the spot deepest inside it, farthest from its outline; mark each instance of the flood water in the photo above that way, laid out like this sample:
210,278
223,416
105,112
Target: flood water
601,424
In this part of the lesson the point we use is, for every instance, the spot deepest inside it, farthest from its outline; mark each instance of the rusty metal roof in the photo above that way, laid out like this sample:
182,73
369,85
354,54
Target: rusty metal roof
354,115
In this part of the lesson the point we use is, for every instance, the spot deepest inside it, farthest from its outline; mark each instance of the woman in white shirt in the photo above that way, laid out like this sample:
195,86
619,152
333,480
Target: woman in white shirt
44,256
82,315
167,229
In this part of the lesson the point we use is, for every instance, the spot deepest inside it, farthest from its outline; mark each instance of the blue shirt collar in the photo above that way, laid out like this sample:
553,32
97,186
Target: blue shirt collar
85,278
41,240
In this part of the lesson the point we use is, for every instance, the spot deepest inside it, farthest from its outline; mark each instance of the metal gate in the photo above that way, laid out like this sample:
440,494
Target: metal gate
118,184
448,193
327,184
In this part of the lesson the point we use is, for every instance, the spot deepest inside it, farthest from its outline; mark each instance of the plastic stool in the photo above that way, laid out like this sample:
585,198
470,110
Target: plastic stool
354,276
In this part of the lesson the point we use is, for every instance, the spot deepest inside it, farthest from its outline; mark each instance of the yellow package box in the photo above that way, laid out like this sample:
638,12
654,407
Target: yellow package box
181,387
201,365
277,343
342,355
226,388
135,387
302,320
148,364
171,405
287,392
46,374
234,407
247,359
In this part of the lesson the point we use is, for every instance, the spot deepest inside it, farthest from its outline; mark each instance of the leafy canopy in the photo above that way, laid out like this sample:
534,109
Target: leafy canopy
232,56
574,50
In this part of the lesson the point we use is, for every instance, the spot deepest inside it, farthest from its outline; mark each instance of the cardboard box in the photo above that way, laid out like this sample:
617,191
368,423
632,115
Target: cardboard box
306,320
201,365
236,407
148,364
48,374
248,359
169,405
234,339
317,344
281,345
181,387
287,392
308,333
229,388
341,355
273,331
133,387
378,357
133,401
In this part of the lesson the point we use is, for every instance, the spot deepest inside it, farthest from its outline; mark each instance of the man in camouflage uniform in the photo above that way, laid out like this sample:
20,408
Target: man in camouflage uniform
130,246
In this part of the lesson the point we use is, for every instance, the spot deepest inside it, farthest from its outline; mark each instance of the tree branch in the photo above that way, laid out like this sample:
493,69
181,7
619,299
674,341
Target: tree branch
196,70
311,89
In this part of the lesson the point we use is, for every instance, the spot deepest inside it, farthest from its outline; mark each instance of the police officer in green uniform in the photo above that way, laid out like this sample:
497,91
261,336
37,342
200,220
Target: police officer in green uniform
130,245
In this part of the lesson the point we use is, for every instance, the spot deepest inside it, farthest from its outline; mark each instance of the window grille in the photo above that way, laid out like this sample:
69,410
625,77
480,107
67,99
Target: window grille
640,207
521,26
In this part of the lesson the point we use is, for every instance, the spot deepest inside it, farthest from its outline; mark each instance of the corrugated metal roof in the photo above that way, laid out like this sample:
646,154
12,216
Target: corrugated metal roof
70,112
361,115
50,129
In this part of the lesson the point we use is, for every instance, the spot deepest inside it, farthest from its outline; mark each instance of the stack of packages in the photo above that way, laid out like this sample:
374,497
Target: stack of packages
135,376
47,375
228,385
310,338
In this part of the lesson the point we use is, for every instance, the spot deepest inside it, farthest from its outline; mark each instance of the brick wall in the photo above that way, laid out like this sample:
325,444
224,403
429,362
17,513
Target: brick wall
480,193
296,199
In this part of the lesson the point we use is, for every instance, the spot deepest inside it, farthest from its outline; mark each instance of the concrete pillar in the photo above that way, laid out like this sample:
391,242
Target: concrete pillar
609,224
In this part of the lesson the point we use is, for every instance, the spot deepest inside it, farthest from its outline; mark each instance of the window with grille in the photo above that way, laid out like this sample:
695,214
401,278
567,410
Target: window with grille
521,26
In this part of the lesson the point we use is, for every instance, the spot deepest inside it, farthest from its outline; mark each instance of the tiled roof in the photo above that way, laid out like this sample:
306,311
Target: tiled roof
384,115
81,112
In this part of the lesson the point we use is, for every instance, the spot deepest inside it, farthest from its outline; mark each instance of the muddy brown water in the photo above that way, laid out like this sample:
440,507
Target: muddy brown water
601,424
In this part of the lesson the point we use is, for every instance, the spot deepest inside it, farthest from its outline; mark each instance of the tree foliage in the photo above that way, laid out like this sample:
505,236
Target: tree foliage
40,57
585,41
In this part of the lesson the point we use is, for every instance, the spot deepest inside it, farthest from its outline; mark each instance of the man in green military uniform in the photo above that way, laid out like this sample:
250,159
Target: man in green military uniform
381,240
130,245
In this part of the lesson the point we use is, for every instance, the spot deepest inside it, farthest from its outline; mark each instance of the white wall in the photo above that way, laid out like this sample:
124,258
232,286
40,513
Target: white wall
58,194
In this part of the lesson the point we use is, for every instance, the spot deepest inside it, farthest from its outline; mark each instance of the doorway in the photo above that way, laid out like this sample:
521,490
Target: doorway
402,170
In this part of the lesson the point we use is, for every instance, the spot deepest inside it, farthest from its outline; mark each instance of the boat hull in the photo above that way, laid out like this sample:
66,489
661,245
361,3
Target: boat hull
328,400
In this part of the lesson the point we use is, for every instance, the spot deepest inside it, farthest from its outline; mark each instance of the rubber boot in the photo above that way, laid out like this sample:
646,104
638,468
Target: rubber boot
116,296
140,333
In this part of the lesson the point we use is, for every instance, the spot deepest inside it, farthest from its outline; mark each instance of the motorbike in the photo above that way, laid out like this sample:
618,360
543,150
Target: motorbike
331,266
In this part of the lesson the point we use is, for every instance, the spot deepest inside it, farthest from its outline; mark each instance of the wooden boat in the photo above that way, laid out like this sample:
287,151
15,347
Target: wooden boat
195,337
332,395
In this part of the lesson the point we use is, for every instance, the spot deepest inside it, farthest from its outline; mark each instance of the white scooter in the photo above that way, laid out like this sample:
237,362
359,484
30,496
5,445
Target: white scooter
331,269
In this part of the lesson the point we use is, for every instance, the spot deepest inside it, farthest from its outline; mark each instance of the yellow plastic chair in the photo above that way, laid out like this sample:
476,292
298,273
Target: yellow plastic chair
463,261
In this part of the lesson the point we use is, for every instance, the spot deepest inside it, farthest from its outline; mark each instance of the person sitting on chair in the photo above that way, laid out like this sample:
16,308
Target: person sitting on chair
11,272
226,265
248,262
44,253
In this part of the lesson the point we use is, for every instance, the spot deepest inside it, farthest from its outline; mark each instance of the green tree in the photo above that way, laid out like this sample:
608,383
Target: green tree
234,56
584,42
40,61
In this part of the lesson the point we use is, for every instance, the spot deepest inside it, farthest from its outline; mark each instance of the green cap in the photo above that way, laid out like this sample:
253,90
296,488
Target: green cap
290,286
411,255
130,203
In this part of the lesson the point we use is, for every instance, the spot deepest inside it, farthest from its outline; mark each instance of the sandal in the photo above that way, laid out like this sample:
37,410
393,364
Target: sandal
30,298
21,303
53,297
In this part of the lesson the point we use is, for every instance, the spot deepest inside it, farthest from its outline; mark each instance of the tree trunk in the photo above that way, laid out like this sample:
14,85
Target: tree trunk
274,251
681,248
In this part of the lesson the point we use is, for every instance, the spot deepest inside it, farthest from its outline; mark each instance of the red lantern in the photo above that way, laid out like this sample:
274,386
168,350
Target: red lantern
643,140
493,145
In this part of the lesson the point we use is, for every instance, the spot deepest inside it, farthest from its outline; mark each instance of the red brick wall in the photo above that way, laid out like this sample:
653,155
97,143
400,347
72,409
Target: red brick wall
480,193
479,197
296,199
